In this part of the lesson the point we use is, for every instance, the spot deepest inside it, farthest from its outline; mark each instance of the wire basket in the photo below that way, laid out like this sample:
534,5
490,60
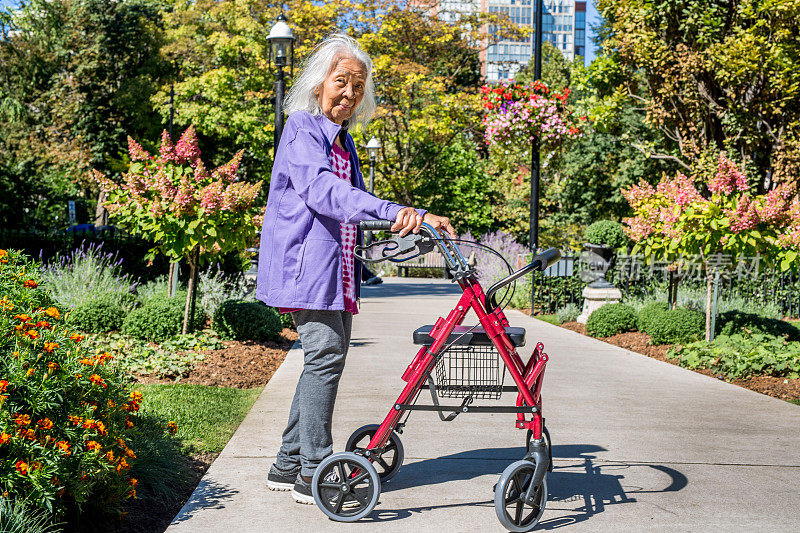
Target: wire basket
464,371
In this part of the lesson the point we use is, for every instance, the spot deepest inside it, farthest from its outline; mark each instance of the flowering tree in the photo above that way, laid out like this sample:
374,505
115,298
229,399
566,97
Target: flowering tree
675,220
516,114
173,200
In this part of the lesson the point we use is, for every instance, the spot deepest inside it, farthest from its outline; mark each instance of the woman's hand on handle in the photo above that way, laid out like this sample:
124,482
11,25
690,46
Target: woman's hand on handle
407,220
440,224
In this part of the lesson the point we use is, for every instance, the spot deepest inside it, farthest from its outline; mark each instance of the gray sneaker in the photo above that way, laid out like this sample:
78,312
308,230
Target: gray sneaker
281,480
302,491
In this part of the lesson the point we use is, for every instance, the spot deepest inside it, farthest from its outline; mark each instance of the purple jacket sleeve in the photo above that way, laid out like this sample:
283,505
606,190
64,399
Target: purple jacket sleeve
312,178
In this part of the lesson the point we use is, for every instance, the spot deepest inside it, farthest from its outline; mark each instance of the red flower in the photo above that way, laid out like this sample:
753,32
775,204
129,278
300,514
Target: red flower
30,284
22,467
498,90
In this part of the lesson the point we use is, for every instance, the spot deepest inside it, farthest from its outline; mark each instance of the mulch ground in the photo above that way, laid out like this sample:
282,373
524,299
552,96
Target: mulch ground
777,387
241,365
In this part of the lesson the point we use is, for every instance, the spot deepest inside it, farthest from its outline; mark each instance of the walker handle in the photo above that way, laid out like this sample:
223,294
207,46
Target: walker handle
540,262
375,225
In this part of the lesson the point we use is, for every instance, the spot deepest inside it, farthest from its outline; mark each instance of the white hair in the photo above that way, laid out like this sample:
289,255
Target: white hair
316,68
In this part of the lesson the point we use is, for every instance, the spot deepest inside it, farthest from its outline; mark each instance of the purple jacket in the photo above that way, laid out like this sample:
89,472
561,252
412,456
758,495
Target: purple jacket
299,262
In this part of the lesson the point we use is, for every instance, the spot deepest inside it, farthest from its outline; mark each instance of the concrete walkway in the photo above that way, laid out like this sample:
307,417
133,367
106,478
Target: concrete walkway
638,444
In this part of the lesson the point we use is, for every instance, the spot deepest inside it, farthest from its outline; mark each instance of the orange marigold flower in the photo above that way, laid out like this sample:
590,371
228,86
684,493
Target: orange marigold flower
89,424
50,346
110,456
136,396
45,423
15,354
75,419
128,423
3,398
101,428
78,376
52,312
121,443
30,284
30,372
172,427
22,420
111,403
32,333
97,380
86,361
29,434
22,317
76,337
105,357
4,437
129,453
22,467
6,304
3,385
123,465
51,366
63,446
93,445
133,482
44,324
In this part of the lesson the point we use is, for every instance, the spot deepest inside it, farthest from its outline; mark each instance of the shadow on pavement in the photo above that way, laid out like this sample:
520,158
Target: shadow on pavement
388,290
207,495
579,487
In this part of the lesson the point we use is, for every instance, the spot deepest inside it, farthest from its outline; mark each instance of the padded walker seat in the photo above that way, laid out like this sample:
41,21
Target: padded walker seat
476,337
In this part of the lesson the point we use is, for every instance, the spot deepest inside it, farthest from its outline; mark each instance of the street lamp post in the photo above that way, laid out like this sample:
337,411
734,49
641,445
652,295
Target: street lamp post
372,149
281,40
537,75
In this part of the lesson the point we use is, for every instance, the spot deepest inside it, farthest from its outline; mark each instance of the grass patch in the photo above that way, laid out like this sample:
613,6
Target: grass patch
796,402
550,319
206,416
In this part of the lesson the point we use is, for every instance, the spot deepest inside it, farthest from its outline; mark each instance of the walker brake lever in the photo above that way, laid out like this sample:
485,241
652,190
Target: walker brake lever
397,247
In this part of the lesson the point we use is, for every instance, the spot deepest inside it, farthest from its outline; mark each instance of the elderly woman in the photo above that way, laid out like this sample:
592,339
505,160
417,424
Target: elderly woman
306,263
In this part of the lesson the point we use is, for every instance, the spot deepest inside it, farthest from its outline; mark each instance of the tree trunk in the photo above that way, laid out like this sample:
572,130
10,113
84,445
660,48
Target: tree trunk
709,293
188,315
100,213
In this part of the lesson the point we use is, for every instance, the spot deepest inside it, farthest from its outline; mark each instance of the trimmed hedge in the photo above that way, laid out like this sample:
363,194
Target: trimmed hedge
606,232
733,322
97,316
610,320
648,312
161,318
676,326
241,320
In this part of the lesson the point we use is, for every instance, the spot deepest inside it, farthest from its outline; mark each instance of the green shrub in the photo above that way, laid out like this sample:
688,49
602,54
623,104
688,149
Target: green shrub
647,312
97,316
568,313
16,517
610,320
160,318
66,414
287,321
733,322
741,356
240,320
606,232
676,326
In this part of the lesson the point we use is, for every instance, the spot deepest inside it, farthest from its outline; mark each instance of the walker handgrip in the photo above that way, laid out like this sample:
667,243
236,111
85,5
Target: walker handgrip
540,262
375,225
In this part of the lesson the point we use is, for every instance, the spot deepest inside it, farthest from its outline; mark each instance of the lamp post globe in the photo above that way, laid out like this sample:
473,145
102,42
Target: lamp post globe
281,52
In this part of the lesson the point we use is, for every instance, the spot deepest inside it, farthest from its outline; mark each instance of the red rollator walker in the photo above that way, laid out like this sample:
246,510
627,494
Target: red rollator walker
454,361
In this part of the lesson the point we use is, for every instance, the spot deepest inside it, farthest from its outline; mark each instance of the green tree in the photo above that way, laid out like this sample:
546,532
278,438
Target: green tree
720,75
77,76
556,69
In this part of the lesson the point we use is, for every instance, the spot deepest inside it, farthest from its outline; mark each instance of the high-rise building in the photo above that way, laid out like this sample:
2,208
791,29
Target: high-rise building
563,24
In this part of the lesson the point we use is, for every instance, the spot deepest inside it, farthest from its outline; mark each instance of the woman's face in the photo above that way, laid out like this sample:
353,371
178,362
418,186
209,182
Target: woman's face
342,90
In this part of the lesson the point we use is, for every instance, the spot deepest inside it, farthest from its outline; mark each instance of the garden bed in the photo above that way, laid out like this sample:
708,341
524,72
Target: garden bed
240,365
777,387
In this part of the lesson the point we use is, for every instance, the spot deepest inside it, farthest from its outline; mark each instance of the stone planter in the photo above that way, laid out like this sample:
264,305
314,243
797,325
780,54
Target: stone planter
599,292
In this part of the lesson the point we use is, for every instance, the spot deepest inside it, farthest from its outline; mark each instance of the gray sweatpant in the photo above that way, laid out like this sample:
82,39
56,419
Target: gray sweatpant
325,338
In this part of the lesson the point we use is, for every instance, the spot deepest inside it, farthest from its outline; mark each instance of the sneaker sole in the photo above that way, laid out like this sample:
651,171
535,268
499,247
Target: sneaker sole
277,485
302,498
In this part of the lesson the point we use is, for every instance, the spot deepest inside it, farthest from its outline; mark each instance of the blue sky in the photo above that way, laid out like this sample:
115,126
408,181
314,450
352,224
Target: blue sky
592,18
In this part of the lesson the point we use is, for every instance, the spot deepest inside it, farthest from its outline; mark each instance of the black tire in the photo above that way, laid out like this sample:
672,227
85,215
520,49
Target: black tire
346,487
547,444
389,462
512,510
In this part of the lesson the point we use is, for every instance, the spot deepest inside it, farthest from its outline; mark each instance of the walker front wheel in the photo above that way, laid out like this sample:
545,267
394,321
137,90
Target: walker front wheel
346,487
547,444
514,511
388,461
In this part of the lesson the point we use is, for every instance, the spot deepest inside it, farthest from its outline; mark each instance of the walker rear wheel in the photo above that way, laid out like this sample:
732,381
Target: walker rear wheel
513,510
388,463
346,487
